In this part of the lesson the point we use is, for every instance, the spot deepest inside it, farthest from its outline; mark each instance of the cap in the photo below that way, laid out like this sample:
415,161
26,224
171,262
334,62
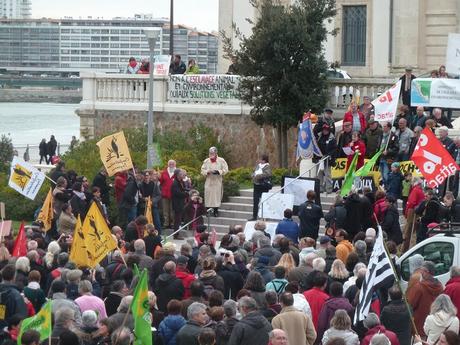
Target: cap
408,69
328,110
395,165
182,260
324,239
263,260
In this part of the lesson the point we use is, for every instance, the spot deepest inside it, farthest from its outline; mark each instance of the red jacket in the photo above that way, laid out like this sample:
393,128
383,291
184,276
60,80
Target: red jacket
166,184
120,185
380,330
415,198
453,291
316,298
379,209
349,118
359,145
187,279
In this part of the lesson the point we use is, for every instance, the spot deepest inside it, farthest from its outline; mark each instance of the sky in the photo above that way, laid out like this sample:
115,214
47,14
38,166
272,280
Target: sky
200,14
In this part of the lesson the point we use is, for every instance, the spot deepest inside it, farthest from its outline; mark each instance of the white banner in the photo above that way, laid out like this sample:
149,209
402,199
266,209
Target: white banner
436,92
25,178
161,64
203,88
386,105
453,54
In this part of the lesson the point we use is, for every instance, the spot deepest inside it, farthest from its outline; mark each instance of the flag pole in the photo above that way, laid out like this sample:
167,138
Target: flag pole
50,179
398,281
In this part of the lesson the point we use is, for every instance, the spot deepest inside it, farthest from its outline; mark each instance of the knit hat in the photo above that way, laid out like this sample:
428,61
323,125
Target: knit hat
324,239
395,165
182,260
74,275
370,233
263,260
89,318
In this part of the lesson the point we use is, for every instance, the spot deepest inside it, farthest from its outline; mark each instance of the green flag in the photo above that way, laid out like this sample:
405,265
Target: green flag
136,271
41,322
349,177
369,165
141,312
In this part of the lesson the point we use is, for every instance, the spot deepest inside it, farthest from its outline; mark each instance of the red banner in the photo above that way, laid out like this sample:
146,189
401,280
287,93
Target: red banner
433,160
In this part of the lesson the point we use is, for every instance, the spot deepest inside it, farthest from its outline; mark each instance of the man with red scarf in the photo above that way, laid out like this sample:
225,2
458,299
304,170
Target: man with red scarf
133,66
166,181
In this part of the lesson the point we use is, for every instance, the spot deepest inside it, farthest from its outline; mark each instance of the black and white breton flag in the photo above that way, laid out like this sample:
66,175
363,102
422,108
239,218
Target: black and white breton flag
379,273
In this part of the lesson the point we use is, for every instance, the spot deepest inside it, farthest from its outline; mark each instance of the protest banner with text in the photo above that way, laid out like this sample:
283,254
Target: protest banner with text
437,92
386,105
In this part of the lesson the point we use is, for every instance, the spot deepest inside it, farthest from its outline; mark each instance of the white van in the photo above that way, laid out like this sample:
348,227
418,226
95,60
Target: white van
442,249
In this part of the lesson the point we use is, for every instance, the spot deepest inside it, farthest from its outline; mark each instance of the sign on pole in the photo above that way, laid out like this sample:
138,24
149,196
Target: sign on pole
114,153
453,54
436,92
386,105
25,178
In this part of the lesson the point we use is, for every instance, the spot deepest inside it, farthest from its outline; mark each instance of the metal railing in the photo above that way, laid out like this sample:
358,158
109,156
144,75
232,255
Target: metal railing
309,170
183,227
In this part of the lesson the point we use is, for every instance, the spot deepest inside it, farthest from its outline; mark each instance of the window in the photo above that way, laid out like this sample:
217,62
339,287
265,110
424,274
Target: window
440,253
354,36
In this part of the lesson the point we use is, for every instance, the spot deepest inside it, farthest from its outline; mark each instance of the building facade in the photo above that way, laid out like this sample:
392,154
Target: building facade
15,9
79,44
376,38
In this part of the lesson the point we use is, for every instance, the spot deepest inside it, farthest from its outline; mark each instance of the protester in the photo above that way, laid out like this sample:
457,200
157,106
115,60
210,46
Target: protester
406,85
356,118
192,67
43,151
261,178
372,323
177,65
341,328
310,214
442,318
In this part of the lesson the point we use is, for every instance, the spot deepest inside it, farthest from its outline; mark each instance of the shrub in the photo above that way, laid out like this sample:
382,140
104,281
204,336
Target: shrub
6,152
240,175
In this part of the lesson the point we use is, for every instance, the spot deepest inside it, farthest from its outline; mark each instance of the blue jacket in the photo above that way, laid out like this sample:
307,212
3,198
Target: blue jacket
394,184
169,327
288,228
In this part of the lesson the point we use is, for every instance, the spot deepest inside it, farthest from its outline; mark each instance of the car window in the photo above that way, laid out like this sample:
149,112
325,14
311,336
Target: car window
440,253
334,74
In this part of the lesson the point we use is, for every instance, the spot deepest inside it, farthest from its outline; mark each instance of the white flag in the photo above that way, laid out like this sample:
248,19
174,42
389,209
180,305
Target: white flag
386,105
379,273
25,178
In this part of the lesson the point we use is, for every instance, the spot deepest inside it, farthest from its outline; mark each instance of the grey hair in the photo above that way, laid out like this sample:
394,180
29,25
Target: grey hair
63,315
124,304
23,264
32,245
380,339
415,262
247,302
357,267
195,308
371,321
139,245
213,149
85,286
319,264
360,247
122,336
230,308
437,110
443,303
309,258
455,271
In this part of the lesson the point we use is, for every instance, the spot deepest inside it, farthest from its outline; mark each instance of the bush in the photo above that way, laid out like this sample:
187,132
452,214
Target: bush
242,176
278,173
6,152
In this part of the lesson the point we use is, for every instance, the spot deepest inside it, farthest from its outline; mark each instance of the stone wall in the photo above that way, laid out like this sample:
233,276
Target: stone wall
244,139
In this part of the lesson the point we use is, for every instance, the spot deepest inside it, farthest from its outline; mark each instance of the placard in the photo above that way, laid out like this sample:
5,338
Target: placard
300,187
453,54
204,88
275,204
270,229
437,92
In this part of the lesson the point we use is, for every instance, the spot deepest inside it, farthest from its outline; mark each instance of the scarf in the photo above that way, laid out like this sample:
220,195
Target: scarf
81,195
33,285
133,64
213,160
208,274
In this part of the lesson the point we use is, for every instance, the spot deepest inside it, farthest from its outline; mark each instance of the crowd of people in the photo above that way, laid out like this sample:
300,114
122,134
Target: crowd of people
177,66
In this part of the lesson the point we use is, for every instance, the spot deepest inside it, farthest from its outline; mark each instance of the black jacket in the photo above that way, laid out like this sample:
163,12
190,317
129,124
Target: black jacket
392,148
188,334
310,214
253,329
354,221
128,200
449,145
391,225
343,139
157,267
405,95
42,148
337,216
168,287
79,206
324,121
367,213
233,280
100,181
179,195
51,147
430,211
13,301
328,147
396,318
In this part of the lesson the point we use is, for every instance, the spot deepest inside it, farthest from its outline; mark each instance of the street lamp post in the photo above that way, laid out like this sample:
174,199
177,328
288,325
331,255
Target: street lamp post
152,36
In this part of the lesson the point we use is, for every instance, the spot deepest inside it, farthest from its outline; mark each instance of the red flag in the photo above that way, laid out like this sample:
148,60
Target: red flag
432,159
20,245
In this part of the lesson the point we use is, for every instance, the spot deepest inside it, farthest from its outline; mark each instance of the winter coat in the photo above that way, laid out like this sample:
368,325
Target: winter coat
310,215
328,147
396,318
420,296
379,209
316,298
372,138
289,229
259,297
343,249
233,280
253,329
42,148
169,328
453,291
297,325
392,148
438,323
273,255
178,196
128,199
357,146
13,301
188,334
350,337
112,301
337,216
100,181
404,138
79,206
166,182
391,225
394,184
214,281
67,224
186,279
167,287
348,117
51,147
379,329
213,187
431,212
328,310
416,197
343,139
120,185
354,220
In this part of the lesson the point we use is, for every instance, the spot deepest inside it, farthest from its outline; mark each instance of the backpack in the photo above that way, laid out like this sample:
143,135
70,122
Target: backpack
6,306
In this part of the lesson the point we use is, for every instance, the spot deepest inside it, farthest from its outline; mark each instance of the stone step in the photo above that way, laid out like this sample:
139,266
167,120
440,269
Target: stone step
236,206
241,199
229,221
235,214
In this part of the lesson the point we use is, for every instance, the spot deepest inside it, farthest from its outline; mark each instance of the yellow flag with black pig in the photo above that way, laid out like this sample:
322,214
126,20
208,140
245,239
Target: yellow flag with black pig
114,153
98,238
79,253
46,214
